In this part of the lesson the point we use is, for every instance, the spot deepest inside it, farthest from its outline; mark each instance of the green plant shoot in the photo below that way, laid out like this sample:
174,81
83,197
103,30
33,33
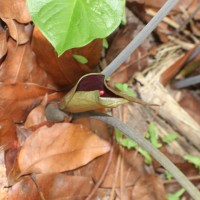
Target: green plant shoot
152,134
80,59
176,196
130,144
123,87
168,175
169,137
195,160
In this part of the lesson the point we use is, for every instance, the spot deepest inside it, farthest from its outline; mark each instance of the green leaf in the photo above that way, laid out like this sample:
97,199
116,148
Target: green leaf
123,87
105,43
129,143
168,175
145,154
170,137
176,196
125,142
152,134
118,135
75,23
195,160
80,59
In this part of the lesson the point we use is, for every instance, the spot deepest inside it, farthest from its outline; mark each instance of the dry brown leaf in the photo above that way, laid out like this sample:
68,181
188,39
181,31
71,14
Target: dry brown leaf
20,65
65,70
3,42
12,9
149,187
53,187
191,104
62,147
131,170
159,3
18,99
37,115
19,32
168,74
7,129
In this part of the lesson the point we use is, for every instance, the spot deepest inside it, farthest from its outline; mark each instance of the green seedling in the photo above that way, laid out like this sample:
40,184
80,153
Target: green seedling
130,144
177,195
168,175
145,154
195,160
105,43
152,135
169,137
80,59
123,87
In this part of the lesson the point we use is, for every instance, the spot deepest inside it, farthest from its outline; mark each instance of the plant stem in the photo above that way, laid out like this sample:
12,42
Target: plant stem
142,35
159,156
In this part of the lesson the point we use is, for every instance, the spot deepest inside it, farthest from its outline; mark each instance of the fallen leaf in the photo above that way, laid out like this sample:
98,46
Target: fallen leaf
7,129
53,187
37,115
191,104
62,147
133,168
18,99
19,32
20,65
3,42
149,187
65,70
12,9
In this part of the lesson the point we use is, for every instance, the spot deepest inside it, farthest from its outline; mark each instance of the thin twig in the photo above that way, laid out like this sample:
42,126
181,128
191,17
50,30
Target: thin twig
115,177
191,178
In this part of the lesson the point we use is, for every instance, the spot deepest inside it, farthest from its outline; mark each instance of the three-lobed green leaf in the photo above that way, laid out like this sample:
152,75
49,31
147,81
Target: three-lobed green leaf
75,23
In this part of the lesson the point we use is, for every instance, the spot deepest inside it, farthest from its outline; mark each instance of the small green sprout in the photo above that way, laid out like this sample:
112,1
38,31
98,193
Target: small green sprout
168,175
130,144
195,160
80,59
123,87
145,154
177,195
105,43
152,134
169,137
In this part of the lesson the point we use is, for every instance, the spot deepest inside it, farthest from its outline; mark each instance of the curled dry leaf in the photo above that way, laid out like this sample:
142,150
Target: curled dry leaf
65,70
62,147
18,99
85,96
53,187
149,187
7,129
3,42
133,168
37,115
19,32
20,65
12,9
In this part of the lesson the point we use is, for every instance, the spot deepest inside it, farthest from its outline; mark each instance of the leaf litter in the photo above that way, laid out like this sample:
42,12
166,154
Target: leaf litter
68,158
